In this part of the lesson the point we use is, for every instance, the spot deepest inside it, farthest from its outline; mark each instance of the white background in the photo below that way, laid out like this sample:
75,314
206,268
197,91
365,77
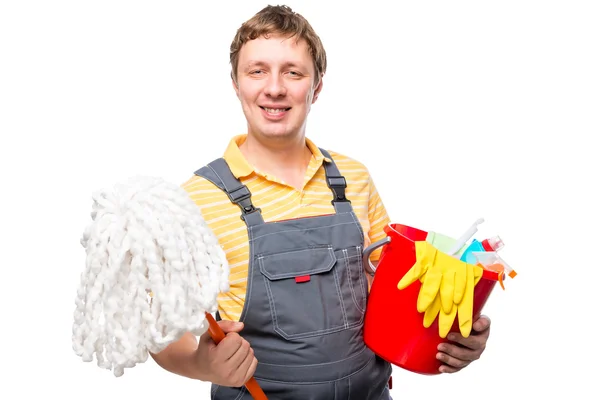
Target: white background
461,110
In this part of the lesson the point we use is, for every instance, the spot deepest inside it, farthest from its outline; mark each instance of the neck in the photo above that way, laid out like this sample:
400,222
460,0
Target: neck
287,159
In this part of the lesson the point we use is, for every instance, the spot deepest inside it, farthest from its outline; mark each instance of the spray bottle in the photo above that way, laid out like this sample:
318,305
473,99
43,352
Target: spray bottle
491,244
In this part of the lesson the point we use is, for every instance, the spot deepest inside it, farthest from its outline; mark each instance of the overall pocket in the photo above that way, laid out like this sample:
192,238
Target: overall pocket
304,291
357,283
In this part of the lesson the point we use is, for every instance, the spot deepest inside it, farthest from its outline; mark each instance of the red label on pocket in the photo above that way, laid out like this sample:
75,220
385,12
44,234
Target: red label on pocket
303,278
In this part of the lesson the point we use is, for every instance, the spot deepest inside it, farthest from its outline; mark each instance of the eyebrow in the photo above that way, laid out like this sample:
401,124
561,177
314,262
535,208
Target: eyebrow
256,63
253,63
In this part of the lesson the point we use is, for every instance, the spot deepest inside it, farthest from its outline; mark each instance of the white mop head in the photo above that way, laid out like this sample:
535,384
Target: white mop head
153,268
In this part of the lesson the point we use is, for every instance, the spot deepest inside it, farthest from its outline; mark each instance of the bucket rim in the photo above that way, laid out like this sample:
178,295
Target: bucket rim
392,227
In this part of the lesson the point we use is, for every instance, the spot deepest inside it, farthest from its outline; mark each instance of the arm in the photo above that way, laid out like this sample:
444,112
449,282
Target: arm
229,363
180,357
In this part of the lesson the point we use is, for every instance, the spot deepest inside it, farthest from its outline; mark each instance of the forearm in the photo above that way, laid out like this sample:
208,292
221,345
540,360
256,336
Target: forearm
180,357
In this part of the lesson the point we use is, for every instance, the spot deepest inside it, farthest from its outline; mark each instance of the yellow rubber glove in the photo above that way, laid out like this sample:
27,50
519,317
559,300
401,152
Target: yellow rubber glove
432,311
433,276
424,256
465,306
447,286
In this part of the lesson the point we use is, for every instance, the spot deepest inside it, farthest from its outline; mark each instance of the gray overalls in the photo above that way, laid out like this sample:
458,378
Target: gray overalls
305,302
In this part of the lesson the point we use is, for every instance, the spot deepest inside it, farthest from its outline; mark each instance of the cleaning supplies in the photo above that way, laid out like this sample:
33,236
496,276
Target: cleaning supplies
455,247
492,244
490,260
394,329
443,242
462,240
467,255
446,288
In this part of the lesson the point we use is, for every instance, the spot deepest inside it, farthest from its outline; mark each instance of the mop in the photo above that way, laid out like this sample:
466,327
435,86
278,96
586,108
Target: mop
153,271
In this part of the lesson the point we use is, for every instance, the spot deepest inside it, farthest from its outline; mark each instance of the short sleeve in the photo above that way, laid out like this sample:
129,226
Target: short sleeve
378,218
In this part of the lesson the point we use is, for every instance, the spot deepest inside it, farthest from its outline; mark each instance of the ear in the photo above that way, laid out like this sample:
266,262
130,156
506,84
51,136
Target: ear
318,89
236,88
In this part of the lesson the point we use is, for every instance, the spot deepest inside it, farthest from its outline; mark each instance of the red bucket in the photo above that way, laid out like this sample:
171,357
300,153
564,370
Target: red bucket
393,327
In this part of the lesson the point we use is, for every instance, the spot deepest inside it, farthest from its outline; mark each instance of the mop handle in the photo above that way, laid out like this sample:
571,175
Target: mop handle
217,335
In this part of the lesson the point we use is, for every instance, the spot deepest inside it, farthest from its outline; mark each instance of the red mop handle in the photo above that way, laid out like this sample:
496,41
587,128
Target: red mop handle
217,335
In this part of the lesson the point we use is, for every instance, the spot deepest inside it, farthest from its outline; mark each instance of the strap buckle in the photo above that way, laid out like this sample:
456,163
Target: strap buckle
248,209
239,194
241,197
338,185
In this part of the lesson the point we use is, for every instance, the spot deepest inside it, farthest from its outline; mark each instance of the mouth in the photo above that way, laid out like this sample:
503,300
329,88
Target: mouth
275,114
276,111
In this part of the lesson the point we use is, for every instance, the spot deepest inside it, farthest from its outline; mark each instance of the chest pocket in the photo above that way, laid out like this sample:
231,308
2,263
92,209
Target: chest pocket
313,291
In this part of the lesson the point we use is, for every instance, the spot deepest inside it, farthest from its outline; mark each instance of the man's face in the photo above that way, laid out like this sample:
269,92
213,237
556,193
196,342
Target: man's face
276,86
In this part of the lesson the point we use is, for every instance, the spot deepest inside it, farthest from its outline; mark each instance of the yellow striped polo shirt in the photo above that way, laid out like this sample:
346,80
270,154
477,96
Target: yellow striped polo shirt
279,201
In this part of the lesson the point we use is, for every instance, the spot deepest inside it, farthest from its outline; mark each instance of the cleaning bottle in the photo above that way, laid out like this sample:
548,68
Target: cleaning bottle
467,255
490,260
491,244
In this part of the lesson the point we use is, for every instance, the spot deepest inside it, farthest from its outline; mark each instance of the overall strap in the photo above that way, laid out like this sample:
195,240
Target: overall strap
337,184
219,173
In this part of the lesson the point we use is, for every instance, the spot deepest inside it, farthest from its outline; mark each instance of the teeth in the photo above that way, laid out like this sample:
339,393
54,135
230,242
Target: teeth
275,110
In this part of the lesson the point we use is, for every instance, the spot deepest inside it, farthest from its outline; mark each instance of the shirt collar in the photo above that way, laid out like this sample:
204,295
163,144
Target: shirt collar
241,168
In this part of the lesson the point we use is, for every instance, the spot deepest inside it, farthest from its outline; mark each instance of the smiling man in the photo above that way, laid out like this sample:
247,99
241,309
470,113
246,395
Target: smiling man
293,219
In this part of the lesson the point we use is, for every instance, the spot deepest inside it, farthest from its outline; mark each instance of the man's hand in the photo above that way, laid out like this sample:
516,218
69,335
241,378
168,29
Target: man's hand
231,362
466,350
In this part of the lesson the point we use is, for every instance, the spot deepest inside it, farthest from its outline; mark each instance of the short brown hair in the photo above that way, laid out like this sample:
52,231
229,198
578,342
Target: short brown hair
278,20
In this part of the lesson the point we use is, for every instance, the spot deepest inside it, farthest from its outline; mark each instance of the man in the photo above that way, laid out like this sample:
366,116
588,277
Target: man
293,233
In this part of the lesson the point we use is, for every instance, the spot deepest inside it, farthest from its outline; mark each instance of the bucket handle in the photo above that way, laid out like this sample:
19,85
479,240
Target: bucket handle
369,249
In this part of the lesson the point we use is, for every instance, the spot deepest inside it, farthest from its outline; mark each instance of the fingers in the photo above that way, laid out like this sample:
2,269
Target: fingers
473,342
247,367
446,369
483,323
231,326
232,341
454,363
240,364
453,354
458,356
229,346
231,361
251,368
228,326
240,355
455,358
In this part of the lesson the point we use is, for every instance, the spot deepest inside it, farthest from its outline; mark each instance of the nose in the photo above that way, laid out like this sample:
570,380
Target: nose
275,86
